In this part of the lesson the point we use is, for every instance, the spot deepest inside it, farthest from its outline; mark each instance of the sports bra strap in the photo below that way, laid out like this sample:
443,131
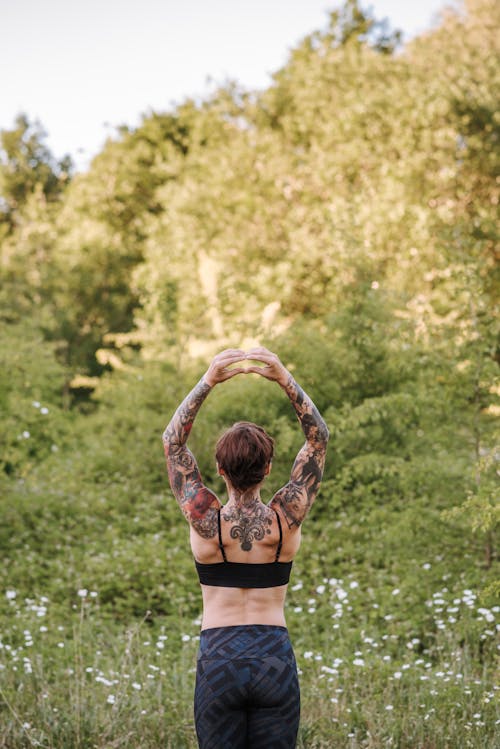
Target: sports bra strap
278,550
221,547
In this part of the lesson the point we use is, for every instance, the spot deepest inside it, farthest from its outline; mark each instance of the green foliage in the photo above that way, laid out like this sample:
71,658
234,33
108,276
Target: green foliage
25,165
346,218
32,382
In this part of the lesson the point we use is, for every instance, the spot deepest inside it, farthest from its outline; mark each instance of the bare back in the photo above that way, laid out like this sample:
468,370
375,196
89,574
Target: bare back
234,606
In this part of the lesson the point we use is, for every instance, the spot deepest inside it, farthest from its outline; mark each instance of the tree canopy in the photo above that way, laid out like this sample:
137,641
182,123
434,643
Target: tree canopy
346,215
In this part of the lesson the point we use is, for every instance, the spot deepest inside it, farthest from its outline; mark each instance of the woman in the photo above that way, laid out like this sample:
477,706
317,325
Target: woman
247,691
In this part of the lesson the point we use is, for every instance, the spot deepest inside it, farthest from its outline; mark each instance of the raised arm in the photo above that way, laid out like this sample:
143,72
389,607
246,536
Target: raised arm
296,497
196,501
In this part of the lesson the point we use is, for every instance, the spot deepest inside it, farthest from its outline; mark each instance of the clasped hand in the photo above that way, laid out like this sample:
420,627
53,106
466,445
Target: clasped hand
270,366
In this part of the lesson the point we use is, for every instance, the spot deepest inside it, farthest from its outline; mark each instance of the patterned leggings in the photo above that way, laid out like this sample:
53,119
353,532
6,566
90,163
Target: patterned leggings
247,690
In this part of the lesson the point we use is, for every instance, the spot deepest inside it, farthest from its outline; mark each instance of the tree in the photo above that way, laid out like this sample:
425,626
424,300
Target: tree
25,164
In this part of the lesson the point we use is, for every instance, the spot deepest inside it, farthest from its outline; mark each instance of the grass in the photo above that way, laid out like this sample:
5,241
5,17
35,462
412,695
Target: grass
75,678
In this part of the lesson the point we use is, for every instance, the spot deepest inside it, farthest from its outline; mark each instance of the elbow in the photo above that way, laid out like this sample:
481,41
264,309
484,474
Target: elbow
323,433
319,438
166,438
170,441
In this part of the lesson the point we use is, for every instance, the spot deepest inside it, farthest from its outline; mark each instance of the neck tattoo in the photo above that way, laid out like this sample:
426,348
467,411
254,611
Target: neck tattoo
249,527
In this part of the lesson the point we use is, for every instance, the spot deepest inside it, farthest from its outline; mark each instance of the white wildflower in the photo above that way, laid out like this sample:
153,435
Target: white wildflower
102,680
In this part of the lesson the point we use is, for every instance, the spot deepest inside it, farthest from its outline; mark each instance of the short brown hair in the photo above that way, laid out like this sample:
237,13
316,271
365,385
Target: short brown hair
243,452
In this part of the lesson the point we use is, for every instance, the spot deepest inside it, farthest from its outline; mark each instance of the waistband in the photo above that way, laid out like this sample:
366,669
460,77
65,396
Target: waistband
245,641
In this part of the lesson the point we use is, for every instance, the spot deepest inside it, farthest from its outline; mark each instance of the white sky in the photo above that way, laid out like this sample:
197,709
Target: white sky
83,67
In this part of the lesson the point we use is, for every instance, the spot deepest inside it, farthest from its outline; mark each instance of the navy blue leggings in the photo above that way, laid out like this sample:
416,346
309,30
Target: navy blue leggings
247,689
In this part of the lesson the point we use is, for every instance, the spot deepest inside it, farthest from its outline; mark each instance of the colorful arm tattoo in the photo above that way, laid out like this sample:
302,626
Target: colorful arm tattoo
196,501
296,497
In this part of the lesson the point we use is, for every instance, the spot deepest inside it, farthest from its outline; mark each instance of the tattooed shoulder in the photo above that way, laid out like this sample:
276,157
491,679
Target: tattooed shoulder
206,526
291,501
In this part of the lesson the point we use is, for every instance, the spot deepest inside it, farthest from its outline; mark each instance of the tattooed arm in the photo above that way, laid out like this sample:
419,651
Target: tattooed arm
296,497
197,502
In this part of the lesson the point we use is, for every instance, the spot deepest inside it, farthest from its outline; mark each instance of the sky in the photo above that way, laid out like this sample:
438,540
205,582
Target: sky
84,67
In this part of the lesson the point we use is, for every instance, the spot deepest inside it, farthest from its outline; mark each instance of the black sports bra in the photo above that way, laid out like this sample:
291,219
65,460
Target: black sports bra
245,574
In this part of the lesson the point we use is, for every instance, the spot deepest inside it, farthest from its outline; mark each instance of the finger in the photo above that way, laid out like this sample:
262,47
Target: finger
231,373
253,362
229,367
224,359
259,363
259,356
256,350
261,349
234,351
227,356
258,370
